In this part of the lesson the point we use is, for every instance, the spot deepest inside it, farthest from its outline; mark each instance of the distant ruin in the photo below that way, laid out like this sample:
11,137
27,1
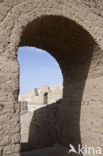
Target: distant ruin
31,104
72,32
41,97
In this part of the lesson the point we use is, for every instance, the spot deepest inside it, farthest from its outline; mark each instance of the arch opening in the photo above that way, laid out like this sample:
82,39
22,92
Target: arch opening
40,85
73,47
37,69
45,98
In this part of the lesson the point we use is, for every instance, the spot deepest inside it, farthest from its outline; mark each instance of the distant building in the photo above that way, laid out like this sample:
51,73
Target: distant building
42,96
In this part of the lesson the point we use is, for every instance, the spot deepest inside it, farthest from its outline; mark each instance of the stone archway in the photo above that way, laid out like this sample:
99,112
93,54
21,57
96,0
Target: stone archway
81,62
74,49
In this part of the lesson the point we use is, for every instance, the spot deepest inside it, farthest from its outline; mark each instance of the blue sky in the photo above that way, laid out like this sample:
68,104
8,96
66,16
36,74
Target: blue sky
37,68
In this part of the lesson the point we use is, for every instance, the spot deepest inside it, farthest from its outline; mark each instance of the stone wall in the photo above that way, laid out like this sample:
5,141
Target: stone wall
72,32
36,98
24,107
41,128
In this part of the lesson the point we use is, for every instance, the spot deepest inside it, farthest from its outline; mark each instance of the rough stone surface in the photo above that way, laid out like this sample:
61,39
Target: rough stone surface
24,107
41,128
71,31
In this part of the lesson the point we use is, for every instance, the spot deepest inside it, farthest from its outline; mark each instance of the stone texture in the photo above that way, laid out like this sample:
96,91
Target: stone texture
41,128
24,107
71,31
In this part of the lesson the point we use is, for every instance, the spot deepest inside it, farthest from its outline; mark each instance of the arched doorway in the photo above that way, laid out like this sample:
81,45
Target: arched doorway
88,19
37,69
73,47
45,98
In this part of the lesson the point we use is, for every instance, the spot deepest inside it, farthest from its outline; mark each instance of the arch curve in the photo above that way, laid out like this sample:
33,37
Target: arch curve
78,33
75,50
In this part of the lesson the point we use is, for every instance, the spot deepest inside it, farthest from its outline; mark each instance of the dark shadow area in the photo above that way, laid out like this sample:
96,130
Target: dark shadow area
45,98
73,48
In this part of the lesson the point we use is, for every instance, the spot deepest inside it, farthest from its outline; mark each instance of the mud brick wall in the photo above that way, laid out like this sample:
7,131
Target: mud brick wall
72,32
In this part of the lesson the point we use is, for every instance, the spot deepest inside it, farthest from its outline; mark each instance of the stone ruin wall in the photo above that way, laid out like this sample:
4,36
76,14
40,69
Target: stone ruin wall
23,107
79,23
41,128
34,124
35,99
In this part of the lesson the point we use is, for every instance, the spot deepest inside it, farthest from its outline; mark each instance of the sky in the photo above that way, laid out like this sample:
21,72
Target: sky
37,68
